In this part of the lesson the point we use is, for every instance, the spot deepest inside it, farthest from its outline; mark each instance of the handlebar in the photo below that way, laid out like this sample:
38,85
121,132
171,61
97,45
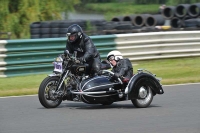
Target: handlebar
113,74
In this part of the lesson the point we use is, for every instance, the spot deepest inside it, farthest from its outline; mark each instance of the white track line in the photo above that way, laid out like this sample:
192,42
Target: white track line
163,85
18,96
183,84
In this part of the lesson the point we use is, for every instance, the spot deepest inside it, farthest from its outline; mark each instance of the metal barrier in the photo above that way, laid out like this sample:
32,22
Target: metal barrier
34,56
158,45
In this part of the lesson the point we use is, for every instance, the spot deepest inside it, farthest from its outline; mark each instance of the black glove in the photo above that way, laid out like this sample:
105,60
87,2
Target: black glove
116,76
66,52
100,72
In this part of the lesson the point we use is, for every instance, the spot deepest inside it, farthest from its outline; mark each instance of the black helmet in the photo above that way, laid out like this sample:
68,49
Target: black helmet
74,33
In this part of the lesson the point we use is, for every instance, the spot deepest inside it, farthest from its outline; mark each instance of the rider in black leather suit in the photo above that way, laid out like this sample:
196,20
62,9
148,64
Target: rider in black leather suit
121,67
86,51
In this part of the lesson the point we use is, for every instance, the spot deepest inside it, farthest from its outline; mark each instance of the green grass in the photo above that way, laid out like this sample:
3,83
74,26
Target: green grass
22,85
111,10
172,71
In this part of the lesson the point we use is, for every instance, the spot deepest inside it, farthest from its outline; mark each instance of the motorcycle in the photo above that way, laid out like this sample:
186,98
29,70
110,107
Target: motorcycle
71,81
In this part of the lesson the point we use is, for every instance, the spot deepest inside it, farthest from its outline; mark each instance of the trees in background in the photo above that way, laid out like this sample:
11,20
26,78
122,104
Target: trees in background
170,2
17,15
144,1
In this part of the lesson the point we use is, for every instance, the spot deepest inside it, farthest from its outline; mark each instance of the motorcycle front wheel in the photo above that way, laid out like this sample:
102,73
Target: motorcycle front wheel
46,92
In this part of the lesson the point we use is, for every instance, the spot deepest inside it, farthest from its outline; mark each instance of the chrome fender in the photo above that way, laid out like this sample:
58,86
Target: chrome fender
54,75
146,79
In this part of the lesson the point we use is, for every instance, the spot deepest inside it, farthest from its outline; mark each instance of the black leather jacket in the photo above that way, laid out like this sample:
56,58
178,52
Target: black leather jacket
85,48
124,68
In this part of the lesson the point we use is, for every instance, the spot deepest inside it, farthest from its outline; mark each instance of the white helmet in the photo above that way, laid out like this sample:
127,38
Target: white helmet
116,55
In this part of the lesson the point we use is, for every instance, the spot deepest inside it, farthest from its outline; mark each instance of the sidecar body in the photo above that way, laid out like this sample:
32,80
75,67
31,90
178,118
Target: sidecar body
101,89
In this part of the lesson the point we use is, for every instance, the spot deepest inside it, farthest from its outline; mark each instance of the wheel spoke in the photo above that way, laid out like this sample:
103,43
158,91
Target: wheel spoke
47,94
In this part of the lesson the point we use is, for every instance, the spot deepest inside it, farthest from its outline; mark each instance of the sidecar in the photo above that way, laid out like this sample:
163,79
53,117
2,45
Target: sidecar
140,89
70,81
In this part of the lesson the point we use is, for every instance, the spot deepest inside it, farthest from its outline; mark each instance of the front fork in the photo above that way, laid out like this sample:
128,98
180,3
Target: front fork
58,92
63,76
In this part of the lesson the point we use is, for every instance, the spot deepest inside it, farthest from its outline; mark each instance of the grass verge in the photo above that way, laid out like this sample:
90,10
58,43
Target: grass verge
172,71
111,10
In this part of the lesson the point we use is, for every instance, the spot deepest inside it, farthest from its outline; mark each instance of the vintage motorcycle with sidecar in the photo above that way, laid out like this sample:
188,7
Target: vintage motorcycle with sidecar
71,81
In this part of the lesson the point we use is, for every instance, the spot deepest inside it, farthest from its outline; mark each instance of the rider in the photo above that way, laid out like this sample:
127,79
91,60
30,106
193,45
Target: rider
122,68
86,51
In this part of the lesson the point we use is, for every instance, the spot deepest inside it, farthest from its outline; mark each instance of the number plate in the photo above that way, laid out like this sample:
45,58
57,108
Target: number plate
58,66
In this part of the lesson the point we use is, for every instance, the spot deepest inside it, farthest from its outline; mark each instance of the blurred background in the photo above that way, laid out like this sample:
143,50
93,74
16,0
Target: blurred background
23,19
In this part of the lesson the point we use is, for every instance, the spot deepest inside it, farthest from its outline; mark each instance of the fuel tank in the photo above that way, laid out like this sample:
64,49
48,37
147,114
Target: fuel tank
98,83
80,69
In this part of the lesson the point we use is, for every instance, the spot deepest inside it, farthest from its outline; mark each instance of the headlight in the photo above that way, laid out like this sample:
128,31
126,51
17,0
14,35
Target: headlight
58,59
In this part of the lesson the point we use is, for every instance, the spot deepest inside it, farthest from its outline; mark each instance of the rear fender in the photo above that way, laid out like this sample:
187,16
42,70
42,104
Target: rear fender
145,79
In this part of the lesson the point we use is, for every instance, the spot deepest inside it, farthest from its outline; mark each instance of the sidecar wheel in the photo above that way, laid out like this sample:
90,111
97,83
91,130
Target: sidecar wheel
45,92
146,97
106,103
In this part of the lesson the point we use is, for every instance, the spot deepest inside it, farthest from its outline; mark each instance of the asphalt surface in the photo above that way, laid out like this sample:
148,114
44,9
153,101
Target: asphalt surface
176,111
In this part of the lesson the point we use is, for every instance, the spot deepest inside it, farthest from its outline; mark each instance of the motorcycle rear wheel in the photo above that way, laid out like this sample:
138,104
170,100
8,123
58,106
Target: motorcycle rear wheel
145,94
45,92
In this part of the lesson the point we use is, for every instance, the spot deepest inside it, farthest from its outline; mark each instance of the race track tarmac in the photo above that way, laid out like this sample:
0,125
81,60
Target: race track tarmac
176,111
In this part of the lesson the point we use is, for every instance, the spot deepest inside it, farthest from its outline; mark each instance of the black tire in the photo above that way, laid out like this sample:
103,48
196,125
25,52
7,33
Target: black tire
36,36
63,31
45,30
35,31
54,35
97,22
54,30
62,35
45,24
145,99
48,85
55,24
107,103
110,25
65,24
35,25
124,27
45,36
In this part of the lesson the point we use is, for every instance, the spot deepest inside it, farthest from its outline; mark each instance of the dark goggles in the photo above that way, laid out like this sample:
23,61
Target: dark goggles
111,58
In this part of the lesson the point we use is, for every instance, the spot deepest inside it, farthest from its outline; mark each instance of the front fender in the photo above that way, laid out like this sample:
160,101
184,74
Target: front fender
54,75
143,79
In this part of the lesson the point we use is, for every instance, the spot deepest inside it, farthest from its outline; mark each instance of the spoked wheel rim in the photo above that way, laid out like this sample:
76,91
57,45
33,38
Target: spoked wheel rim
49,95
46,94
145,95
